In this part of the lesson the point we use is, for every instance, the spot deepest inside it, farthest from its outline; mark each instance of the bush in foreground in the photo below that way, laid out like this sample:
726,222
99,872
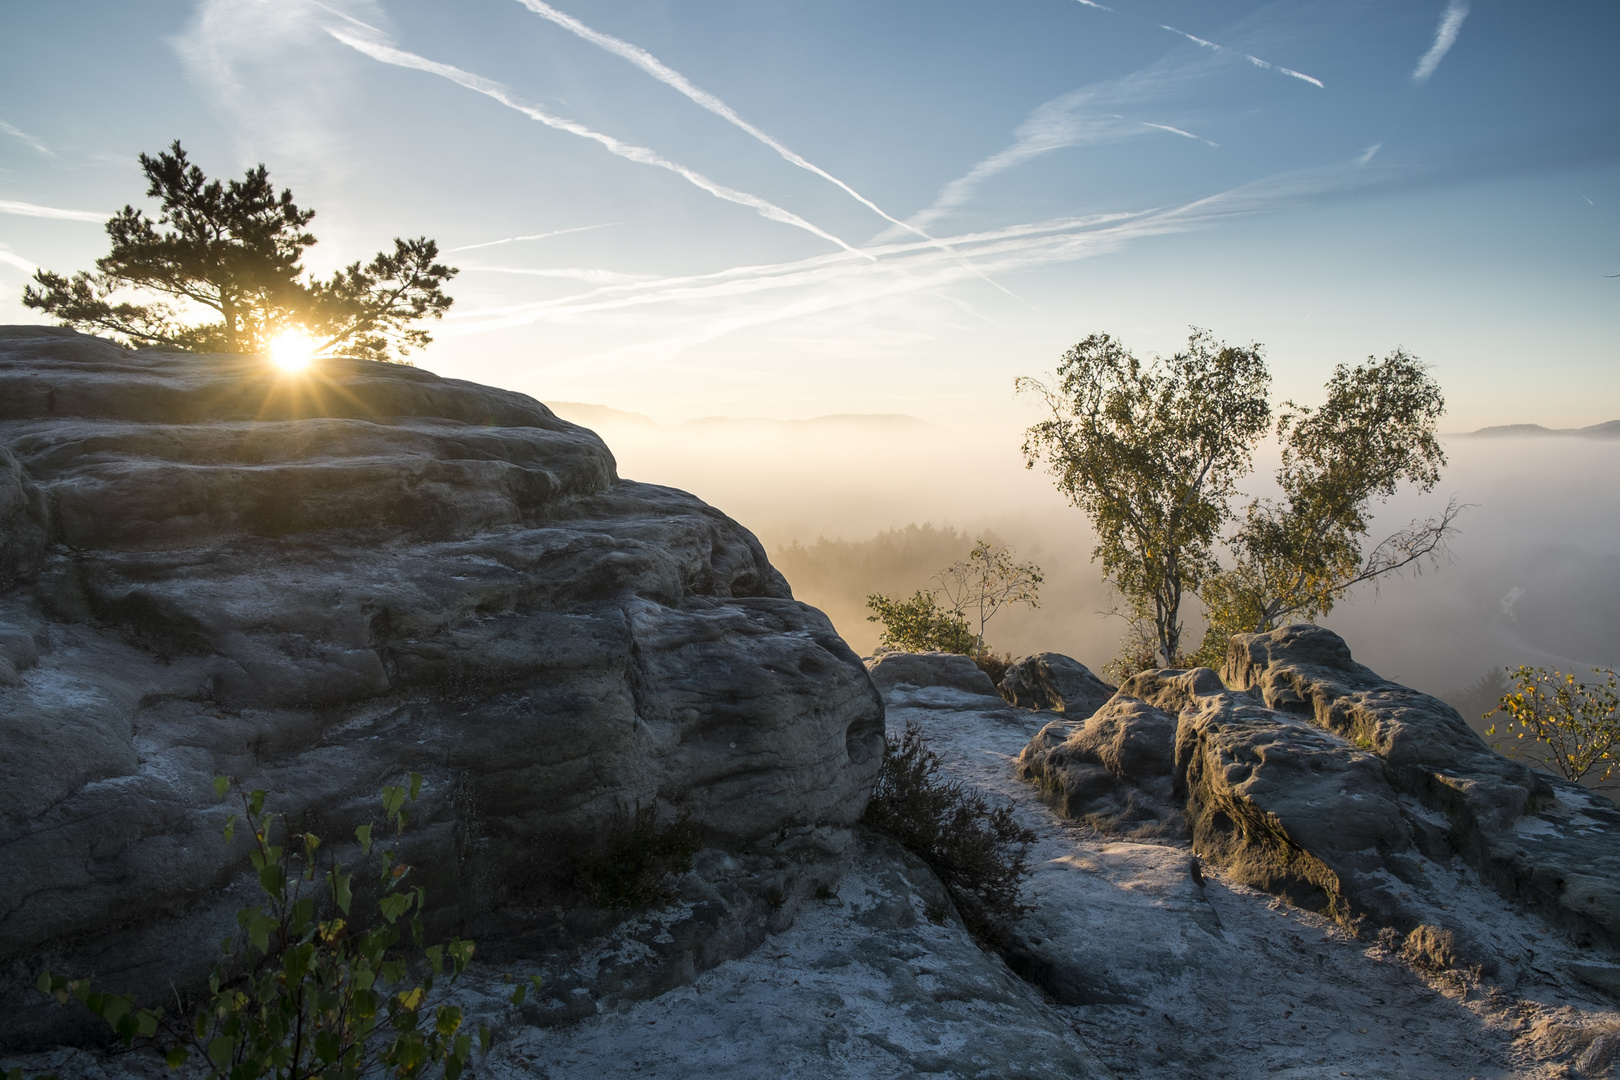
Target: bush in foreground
979,852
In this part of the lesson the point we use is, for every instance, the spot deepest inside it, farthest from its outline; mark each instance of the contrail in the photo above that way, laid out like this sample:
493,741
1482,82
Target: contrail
1255,60
18,261
1177,131
667,75
1445,36
399,58
24,209
536,236
27,138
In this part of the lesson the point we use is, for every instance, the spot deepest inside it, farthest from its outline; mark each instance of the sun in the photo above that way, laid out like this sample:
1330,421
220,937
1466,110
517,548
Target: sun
292,350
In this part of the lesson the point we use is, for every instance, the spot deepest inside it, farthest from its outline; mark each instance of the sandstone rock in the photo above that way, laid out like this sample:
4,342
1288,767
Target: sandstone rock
1537,838
1115,770
1056,683
953,670
315,584
1318,781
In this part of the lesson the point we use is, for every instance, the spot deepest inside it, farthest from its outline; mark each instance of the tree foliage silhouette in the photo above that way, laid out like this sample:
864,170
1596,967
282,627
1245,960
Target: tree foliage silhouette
219,270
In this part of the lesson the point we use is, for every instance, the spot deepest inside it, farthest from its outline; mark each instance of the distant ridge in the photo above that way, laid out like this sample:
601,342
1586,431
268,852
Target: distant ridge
579,412
1609,430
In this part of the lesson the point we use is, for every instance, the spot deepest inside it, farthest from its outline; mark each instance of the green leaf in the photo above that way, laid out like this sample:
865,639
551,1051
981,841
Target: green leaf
259,927
416,785
176,1057
435,958
342,890
485,1039
519,992
363,833
272,879
327,1046
43,983
222,784
230,827
220,1051
255,803
396,905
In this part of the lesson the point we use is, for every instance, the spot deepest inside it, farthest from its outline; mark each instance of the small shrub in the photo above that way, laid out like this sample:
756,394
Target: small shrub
980,852
1432,948
992,663
1575,724
920,624
303,992
639,860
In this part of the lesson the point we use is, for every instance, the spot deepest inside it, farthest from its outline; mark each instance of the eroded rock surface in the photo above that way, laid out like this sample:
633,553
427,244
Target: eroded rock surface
1056,683
1312,778
318,583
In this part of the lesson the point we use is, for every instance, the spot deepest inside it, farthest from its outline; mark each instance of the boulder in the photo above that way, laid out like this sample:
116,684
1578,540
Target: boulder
952,670
1114,770
318,583
1056,683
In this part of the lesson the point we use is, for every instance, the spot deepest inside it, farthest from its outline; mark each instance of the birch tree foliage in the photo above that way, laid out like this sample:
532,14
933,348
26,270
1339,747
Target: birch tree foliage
1151,452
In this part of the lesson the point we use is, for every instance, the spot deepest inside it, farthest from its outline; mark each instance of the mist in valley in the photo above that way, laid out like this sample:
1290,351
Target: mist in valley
848,506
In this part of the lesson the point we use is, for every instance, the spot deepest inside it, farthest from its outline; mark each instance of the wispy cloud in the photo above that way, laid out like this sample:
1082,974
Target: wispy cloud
1178,131
1367,154
1094,4
667,75
1445,36
671,315
18,261
534,236
387,54
594,277
1255,60
27,138
26,209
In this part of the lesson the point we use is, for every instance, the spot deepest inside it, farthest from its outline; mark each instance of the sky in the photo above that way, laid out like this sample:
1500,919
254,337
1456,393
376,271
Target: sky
713,207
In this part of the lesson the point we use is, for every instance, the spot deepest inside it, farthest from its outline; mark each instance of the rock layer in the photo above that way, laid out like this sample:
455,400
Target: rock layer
1313,778
316,584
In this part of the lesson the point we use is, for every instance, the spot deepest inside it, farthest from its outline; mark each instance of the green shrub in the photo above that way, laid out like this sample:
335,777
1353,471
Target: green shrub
1576,725
978,851
310,987
920,624
639,861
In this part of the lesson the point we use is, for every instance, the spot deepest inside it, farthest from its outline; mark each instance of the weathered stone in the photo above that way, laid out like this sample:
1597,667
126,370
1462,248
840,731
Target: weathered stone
1114,770
318,583
1537,838
1056,683
892,669
1320,782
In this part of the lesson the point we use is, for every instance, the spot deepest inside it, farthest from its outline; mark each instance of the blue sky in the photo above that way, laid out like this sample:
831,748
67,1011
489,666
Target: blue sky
790,209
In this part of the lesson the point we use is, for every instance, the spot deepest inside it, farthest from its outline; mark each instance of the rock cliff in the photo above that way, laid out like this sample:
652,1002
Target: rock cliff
318,583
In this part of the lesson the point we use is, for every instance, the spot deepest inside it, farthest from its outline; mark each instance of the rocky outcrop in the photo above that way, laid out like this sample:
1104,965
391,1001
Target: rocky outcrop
1311,777
317,583
892,669
1056,683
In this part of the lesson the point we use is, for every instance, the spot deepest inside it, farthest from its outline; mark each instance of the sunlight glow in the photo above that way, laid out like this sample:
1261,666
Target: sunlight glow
292,350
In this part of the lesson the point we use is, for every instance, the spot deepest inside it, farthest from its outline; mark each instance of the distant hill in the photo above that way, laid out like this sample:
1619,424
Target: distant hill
1609,430
579,412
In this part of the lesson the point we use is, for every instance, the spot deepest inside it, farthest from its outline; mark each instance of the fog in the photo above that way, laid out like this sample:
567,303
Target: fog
1533,575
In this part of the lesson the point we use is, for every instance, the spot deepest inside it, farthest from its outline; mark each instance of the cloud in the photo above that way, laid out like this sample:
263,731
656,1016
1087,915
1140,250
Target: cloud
1445,36
1255,60
18,261
1178,131
25,209
1094,4
387,54
649,63
1367,154
594,277
535,236
673,314
27,138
